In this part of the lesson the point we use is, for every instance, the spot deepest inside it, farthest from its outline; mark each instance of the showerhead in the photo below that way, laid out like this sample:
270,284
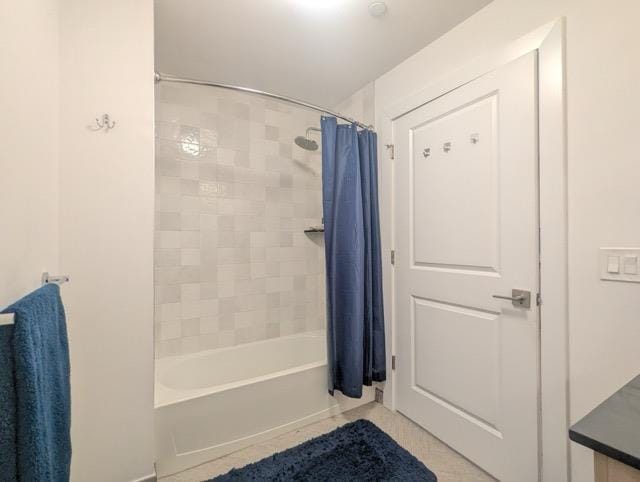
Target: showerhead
305,142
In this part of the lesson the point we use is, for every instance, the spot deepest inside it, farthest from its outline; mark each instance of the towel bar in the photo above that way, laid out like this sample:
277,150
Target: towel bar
6,319
59,279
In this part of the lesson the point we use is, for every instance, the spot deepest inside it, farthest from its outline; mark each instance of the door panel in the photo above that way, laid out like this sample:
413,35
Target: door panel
455,192
437,328
466,224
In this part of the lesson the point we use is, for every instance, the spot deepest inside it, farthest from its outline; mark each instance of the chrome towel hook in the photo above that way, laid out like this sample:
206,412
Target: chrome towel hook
103,123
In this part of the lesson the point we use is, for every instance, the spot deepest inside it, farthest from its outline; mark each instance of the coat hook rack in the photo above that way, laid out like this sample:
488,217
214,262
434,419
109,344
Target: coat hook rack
446,147
103,123
426,152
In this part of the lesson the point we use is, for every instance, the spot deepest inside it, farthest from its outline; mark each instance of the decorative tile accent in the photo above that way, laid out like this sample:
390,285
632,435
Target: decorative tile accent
233,196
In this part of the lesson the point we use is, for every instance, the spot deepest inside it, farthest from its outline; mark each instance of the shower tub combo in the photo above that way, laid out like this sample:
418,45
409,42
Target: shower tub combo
215,402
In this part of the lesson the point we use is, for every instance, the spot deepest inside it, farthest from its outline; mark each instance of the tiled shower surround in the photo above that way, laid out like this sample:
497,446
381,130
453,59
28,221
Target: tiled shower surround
233,197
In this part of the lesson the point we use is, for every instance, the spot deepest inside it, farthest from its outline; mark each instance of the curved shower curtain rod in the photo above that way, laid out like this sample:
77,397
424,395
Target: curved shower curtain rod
172,78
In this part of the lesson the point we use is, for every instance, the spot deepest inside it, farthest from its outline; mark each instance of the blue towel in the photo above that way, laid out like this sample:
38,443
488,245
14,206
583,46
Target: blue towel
8,446
35,398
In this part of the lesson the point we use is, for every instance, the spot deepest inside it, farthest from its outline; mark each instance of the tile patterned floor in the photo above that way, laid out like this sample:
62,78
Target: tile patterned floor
448,465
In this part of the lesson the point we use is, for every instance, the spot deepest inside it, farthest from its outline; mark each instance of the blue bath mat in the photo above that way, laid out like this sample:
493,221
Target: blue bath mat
357,451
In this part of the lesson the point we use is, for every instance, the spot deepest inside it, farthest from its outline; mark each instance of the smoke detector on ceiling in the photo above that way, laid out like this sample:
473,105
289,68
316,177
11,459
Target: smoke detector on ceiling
377,9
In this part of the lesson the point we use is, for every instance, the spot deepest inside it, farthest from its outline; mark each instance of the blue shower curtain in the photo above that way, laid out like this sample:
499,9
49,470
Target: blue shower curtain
355,319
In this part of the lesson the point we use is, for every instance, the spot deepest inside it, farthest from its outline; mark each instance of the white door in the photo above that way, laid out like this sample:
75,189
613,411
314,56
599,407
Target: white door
466,228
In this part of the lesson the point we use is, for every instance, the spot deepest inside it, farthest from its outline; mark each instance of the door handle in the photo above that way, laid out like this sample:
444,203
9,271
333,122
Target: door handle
518,298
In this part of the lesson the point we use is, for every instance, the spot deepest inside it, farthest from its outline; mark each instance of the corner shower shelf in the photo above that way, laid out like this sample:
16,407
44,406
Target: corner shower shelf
315,229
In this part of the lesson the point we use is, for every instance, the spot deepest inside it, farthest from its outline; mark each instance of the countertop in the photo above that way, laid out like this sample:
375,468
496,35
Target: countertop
613,427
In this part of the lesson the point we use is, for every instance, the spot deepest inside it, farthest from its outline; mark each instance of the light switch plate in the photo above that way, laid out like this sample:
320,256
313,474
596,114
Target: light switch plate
613,264
624,271
630,265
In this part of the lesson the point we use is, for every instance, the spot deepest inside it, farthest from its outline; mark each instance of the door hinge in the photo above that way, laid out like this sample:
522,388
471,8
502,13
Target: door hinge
393,257
538,299
393,362
392,150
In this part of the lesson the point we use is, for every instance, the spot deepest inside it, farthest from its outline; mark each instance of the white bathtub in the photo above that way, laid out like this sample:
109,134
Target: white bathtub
211,403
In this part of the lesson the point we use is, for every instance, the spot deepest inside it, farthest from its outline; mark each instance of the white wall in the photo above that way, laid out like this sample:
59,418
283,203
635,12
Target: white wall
603,45
106,233
29,155
90,214
360,105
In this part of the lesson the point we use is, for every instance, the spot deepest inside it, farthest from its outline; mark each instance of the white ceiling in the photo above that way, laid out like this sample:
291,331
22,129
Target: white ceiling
320,51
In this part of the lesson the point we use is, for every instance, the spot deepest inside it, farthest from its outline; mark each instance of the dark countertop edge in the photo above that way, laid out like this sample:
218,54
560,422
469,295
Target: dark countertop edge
605,449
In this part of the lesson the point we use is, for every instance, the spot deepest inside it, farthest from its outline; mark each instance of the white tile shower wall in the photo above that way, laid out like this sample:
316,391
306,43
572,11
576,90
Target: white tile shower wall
233,197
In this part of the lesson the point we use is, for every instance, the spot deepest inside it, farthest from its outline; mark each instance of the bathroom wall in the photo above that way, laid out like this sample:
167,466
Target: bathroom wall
106,233
360,105
81,203
603,46
233,197
29,100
